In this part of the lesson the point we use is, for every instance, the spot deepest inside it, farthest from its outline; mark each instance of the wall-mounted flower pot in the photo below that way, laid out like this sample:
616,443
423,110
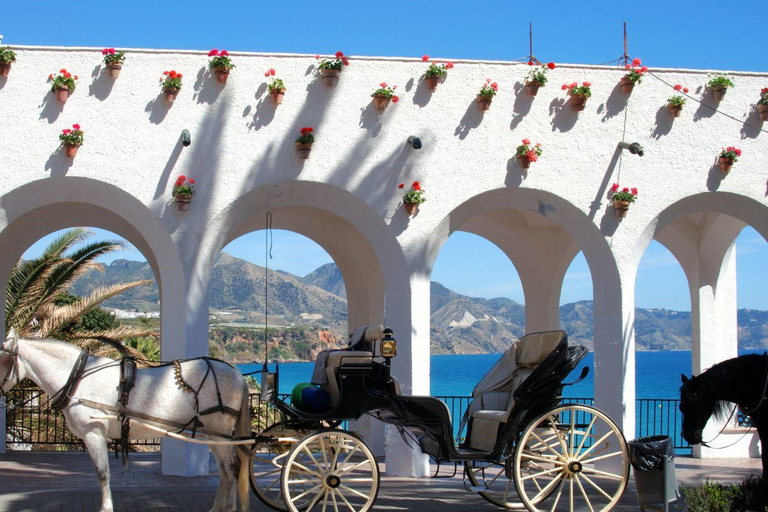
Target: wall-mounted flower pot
627,85
621,208
380,102
277,95
483,103
719,91
432,83
763,111
579,102
5,68
169,95
532,88
726,164
411,208
222,75
182,201
114,70
303,149
71,150
62,94
525,161
330,77
674,110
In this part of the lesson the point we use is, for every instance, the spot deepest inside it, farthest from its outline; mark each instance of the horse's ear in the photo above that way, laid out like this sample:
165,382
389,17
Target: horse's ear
684,378
11,339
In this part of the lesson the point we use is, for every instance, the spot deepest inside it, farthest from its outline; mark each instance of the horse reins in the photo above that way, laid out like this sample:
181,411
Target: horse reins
14,367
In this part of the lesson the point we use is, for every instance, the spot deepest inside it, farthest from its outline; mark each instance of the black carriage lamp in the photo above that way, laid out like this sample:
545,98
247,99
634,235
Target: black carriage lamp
415,142
388,345
635,148
186,138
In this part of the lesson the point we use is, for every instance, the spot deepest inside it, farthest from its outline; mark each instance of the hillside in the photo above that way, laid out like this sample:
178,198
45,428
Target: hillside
310,313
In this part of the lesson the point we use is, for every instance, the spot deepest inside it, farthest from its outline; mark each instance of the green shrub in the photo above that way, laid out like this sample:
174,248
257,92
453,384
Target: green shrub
709,497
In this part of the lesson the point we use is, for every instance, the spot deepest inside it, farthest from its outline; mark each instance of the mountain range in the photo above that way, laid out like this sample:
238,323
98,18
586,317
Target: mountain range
460,324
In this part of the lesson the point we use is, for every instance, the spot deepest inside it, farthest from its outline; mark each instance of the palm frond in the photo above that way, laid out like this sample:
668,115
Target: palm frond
69,238
54,318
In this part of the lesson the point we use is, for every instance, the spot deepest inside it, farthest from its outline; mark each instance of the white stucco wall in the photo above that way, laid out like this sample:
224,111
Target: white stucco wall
345,196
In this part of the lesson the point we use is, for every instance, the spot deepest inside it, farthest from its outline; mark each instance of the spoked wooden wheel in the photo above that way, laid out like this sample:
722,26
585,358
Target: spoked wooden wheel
267,464
330,471
574,458
494,481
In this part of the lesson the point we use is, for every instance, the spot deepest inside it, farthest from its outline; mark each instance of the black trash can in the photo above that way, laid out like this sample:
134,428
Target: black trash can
653,461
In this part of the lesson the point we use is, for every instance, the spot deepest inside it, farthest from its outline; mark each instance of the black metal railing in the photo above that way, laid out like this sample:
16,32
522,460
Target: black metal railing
32,425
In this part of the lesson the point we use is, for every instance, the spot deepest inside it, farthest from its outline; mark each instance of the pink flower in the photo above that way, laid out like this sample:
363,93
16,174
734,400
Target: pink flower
636,62
401,185
182,177
495,86
449,65
76,126
213,52
564,87
678,87
383,84
224,53
345,61
685,90
614,187
625,189
66,131
532,156
317,56
737,151
644,69
526,141
634,191
395,99
112,51
538,144
104,51
551,65
339,55
425,58
764,90
627,66
587,84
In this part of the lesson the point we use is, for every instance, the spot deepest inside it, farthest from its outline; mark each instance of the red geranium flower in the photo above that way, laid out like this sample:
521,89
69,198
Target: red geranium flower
614,187
213,52
65,131
76,126
530,62
625,189
224,53
551,65
636,62
425,58
383,84
634,191
526,141
191,181
395,99
339,55
401,185
685,90
416,186
678,87
587,84
449,65
495,86
345,61
182,177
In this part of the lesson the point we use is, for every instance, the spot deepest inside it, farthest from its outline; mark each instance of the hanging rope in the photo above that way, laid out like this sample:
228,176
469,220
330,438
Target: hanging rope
267,257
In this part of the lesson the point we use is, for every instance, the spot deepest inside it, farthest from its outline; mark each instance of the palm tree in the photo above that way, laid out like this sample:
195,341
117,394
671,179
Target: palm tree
35,285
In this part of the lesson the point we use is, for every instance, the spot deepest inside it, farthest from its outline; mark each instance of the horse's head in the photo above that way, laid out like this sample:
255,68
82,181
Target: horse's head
696,411
9,367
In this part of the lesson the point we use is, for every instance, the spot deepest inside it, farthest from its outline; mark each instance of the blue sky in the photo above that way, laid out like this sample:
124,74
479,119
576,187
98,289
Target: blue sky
704,35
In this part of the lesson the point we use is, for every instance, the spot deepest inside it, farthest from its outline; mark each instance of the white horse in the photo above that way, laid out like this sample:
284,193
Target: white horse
157,394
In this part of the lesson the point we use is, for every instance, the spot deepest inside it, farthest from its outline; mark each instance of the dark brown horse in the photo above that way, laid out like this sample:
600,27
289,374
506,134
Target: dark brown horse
741,380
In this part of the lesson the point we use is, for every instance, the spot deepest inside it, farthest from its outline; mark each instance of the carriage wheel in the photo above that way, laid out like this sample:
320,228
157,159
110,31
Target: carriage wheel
494,482
267,464
574,458
330,471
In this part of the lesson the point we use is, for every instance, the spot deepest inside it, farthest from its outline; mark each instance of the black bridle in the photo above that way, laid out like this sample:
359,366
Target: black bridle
4,352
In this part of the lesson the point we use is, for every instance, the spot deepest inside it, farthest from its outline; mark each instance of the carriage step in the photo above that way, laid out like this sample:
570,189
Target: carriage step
475,488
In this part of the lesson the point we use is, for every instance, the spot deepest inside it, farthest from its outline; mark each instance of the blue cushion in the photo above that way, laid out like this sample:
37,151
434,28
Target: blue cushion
315,399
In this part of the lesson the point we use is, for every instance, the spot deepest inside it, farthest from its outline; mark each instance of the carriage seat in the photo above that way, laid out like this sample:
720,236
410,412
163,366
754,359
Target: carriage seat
328,361
493,398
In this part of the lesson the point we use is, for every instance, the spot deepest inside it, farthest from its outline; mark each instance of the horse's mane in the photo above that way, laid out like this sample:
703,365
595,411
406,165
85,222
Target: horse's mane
704,390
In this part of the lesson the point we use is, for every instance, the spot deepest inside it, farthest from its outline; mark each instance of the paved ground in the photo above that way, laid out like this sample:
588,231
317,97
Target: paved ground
57,481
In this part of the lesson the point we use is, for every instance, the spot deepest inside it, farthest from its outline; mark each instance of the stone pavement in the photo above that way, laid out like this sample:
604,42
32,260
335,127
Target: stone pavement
59,481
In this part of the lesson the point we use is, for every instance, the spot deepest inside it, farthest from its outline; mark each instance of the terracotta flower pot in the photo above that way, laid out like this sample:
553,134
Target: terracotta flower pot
627,85
411,208
182,201
169,95
303,149
277,96
719,91
222,75
5,68
726,164
579,102
380,102
674,110
621,208
114,70
533,88
330,77
525,161
71,150
62,94
432,82
484,103
763,110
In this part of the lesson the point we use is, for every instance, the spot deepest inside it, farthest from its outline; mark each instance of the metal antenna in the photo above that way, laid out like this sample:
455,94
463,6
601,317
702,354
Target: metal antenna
626,53
531,58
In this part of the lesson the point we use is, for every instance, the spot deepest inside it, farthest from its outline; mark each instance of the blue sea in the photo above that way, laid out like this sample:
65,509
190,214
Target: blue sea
657,373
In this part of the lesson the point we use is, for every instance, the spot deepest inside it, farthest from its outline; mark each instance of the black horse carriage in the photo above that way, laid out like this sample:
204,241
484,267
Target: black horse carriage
522,448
